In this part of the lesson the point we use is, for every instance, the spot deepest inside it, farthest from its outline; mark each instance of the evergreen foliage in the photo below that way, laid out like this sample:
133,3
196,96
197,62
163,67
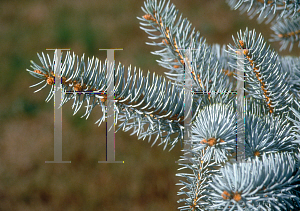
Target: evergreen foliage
154,105
283,15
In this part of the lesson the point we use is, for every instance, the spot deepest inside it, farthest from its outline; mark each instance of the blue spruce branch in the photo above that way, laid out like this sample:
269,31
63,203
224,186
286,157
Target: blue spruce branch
267,9
268,135
177,36
140,100
265,79
260,185
286,31
153,106
215,131
286,24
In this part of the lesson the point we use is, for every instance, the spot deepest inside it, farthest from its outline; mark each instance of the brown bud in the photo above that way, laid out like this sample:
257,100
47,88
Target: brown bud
237,197
103,99
50,80
212,141
241,43
78,87
203,141
63,80
37,71
149,17
256,153
225,195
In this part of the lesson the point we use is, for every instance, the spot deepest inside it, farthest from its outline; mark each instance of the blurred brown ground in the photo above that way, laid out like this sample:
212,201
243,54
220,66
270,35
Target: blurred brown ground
146,181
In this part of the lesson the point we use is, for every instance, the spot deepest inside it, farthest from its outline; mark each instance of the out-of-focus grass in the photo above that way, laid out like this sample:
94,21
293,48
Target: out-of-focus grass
146,181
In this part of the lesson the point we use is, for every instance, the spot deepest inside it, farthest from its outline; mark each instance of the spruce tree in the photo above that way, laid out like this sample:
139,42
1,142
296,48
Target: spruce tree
153,106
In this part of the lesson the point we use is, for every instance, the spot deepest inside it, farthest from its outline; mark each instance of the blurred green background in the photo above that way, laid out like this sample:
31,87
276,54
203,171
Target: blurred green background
146,181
